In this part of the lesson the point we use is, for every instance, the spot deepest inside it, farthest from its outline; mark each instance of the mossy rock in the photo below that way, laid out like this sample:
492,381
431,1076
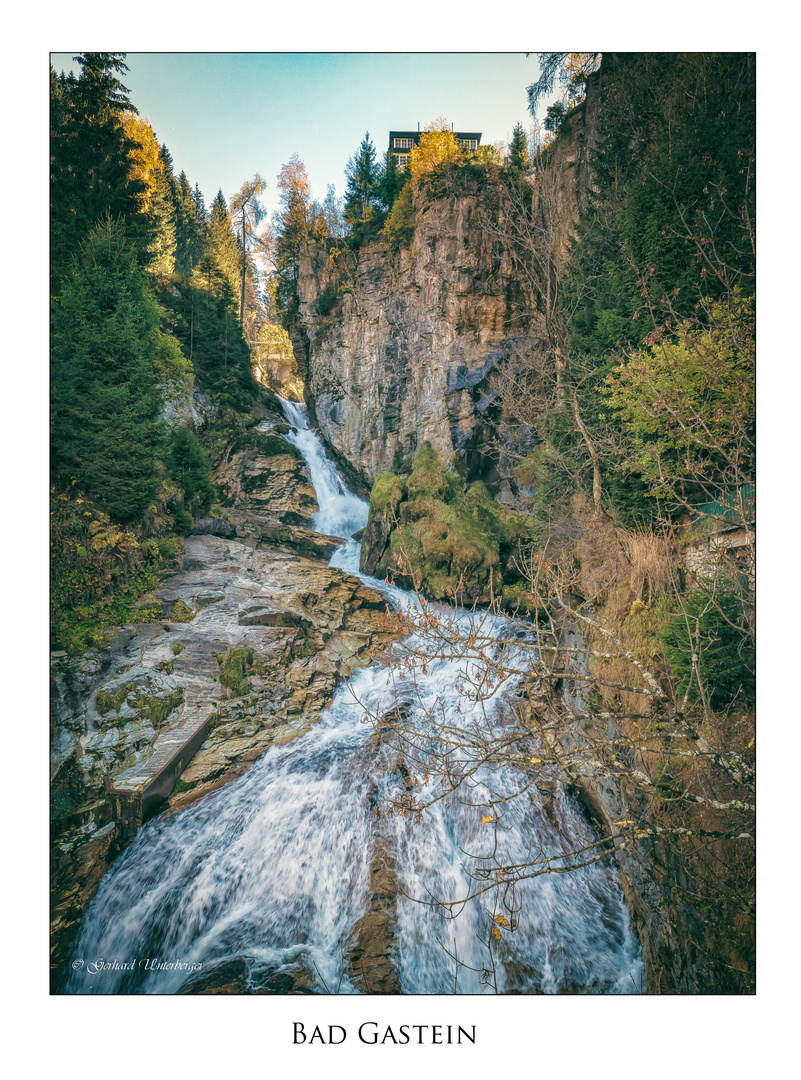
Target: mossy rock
181,613
456,542
387,494
235,667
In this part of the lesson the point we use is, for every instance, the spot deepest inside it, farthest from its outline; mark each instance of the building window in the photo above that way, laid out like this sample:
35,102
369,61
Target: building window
469,144
402,160
403,144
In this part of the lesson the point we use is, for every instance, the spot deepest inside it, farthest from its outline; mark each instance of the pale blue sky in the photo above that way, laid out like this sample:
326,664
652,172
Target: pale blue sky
226,116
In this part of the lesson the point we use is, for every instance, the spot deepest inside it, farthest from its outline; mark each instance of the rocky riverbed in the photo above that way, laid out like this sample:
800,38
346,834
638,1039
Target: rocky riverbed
256,633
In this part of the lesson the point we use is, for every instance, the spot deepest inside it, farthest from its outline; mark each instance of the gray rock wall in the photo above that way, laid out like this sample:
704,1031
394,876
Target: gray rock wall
409,353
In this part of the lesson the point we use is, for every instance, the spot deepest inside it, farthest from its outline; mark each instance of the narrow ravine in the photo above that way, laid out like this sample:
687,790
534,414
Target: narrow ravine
275,866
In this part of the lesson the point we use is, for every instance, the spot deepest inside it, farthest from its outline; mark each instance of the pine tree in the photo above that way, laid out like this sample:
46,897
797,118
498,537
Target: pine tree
92,171
361,190
106,431
162,243
391,182
190,227
519,161
221,253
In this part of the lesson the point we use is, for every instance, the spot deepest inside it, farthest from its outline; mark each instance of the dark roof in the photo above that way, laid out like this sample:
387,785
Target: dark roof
416,135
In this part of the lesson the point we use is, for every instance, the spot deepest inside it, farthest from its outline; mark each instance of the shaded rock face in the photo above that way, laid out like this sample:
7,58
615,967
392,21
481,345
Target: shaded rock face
410,351
253,527
246,975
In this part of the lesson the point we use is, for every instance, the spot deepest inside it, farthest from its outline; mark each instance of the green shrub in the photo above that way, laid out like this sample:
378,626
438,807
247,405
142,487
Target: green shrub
387,493
455,541
399,225
188,465
183,521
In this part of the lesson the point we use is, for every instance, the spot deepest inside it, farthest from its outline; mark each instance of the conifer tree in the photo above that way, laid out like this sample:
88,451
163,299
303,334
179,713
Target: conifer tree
519,161
106,431
91,166
361,190
391,182
221,247
162,242
190,226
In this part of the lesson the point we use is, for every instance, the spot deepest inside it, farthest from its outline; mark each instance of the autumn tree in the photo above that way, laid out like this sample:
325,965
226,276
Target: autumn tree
149,169
298,219
437,147
687,407
246,207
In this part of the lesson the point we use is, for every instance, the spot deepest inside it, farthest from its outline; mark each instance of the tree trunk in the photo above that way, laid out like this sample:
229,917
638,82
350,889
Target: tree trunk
244,268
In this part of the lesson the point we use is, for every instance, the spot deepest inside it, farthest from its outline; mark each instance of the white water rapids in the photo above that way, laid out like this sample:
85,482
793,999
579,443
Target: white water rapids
275,866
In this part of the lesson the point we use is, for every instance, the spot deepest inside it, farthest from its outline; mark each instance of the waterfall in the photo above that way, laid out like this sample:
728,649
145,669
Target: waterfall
275,866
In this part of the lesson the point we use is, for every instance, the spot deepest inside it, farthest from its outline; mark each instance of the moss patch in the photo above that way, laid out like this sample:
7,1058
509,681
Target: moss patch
454,542
235,667
181,613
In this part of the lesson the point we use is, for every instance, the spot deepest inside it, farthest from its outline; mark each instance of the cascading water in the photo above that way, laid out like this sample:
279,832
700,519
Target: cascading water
276,865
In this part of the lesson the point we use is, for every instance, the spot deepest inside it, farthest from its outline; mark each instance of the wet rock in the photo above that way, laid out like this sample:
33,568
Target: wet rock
266,475
266,613
78,861
111,707
247,975
219,977
371,955
259,529
375,539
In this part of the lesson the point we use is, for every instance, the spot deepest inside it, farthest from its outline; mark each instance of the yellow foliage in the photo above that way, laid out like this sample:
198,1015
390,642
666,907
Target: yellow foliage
145,162
438,146
486,819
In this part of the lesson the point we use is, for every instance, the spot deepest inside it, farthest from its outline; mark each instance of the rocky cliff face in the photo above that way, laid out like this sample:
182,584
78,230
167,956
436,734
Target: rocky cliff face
413,346
409,352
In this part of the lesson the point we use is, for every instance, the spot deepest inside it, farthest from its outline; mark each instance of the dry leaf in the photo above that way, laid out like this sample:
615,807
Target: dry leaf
486,819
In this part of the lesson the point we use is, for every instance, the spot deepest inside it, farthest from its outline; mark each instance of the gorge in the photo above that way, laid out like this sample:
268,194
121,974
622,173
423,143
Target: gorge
276,868
424,663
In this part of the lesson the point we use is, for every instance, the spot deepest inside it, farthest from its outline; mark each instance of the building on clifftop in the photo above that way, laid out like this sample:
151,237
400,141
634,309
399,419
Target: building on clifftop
401,143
